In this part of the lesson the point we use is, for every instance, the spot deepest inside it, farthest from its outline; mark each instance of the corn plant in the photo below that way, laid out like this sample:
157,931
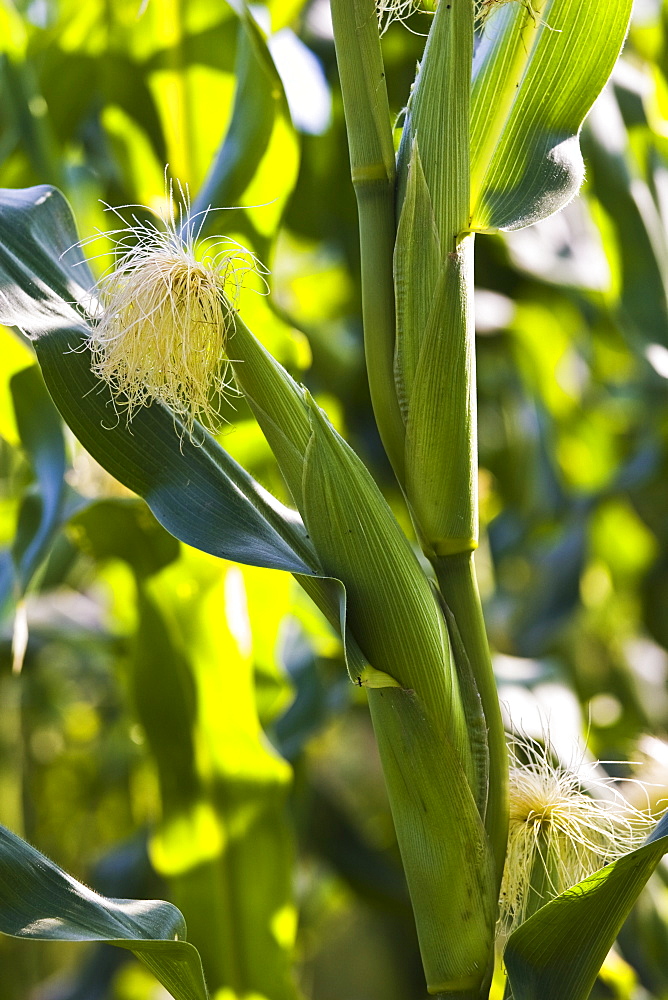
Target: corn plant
139,364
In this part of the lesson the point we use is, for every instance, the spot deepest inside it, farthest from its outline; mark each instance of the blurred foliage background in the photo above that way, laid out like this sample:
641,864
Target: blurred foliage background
177,727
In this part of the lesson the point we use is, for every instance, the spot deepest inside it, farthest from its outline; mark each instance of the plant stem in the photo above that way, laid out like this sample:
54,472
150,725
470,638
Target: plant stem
457,581
373,171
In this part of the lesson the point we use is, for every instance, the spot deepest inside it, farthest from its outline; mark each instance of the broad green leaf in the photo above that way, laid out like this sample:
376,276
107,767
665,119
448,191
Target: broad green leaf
257,161
195,489
41,434
164,697
13,31
168,65
535,77
39,900
557,953
161,680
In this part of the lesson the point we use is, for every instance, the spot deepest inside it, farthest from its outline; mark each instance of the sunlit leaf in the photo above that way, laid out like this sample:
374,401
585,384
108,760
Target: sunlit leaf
16,355
256,164
228,850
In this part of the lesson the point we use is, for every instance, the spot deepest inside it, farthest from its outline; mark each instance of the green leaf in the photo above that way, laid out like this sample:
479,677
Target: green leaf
196,490
229,860
557,953
16,355
535,79
39,900
41,435
257,163
259,98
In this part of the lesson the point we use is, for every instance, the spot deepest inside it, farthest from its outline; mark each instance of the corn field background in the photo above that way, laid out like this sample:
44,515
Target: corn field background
252,795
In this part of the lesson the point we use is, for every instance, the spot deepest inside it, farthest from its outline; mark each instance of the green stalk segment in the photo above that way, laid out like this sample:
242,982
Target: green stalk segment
373,173
443,845
457,582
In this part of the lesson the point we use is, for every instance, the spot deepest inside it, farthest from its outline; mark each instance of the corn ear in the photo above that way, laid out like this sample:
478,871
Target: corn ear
444,848
441,433
438,116
417,265
391,608
434,363
398,641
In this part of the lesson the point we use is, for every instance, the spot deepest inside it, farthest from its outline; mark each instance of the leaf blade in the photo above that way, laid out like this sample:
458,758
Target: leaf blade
535,79
154,930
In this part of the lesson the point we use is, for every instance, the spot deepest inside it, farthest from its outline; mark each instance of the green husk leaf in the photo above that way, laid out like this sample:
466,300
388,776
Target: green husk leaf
438,117
443,844
391,609
535,79
557,953
417,265
441,438
39,900
277,403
